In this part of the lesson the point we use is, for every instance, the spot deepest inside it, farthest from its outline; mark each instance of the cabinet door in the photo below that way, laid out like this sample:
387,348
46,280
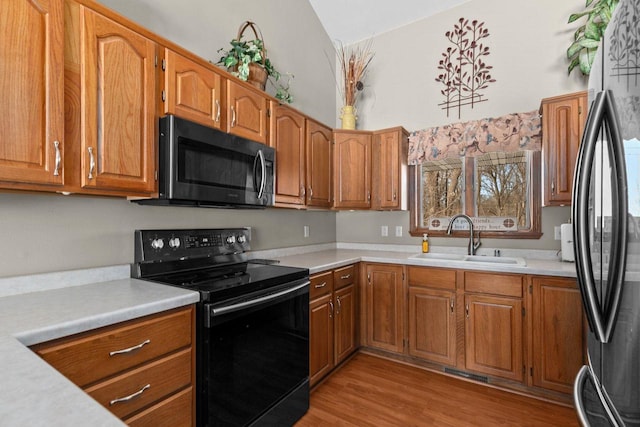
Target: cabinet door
384,312
192,91
389,169
344,323
563,120
432,325
352,172
289,143
247,112
320,338
319,164
118,106
558,333
32,88
493,336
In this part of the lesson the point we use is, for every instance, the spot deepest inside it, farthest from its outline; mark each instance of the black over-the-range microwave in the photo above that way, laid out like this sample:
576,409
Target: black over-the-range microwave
202,166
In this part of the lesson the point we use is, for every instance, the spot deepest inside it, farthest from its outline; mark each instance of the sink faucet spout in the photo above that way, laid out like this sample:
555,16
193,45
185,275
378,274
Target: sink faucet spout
473,245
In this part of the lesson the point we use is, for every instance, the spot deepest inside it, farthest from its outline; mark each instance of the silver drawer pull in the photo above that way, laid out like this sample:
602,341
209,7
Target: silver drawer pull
56,171
321,285
92,163
130,349
131,396
346,276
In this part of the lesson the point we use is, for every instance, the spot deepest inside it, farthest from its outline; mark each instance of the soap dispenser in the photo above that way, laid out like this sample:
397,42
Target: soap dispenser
425,243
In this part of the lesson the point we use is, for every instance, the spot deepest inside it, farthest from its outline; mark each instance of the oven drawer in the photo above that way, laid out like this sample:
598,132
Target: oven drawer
321,284
137,388
92,356
174,411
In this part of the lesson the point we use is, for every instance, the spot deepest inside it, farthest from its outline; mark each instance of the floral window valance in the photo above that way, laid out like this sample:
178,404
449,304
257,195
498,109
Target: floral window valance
508,133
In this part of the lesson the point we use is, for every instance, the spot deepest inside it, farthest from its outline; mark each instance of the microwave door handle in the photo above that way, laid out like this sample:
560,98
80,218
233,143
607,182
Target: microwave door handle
263,169
580,214
620,215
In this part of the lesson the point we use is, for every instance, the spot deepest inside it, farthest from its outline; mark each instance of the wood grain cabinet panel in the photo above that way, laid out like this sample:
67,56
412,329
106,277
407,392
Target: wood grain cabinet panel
559,340
384,307
563,120
32,88
321,312
192,91
493,336
352,169
319,164
174,411
344,323
389,169
289,143
247,112
118,134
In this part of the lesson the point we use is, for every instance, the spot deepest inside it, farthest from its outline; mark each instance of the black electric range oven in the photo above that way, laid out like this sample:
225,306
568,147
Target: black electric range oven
252,332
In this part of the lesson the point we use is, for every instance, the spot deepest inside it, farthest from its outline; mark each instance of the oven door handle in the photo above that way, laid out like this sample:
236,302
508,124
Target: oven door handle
218,311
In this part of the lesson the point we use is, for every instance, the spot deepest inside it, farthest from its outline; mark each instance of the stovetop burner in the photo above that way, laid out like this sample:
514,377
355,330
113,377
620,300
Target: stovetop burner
210,261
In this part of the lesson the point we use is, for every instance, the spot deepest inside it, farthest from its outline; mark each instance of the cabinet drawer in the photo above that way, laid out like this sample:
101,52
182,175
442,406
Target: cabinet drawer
490,283
437,278
321,284
89,357
344,276
174,411
153,381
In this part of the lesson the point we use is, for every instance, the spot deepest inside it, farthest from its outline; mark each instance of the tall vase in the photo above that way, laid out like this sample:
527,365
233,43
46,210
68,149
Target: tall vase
348,117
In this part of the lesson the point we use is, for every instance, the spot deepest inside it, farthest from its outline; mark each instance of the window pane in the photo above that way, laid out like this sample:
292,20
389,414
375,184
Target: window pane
441,188
503,189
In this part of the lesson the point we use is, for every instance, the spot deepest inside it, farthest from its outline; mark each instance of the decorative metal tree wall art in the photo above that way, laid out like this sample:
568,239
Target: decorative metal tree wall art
463,72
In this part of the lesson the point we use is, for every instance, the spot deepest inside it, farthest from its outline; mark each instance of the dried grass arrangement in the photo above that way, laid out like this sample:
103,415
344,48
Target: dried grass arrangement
354,63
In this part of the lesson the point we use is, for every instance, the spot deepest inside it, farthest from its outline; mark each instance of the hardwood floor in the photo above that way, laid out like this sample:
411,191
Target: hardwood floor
371,391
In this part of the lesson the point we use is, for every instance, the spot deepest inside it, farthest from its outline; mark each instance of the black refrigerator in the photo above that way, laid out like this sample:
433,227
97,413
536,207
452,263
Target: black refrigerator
606,227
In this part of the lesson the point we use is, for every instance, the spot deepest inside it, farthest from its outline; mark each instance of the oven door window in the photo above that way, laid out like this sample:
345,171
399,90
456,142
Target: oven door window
255,357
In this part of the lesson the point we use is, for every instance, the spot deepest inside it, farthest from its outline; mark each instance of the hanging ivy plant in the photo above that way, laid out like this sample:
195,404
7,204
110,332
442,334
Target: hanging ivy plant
587,37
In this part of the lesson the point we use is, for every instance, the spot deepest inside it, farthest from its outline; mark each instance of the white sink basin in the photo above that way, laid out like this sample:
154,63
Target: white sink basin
495,260
431,255
476,259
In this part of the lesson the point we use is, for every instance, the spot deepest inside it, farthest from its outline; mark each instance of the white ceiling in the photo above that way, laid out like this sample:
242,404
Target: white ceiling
350,21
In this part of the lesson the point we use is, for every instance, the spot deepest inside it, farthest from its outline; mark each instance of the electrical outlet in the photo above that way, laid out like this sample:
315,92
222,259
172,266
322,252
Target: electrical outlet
556,233
398,231
384,231
306,231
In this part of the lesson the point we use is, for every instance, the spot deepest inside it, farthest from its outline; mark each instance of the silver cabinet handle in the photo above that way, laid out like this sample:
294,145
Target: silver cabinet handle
466,309
56,171
303,192
217,110
339,305
233,116
346,276
92,163
553,187
130,349
131,396
395,196
321,285
451,306
331,309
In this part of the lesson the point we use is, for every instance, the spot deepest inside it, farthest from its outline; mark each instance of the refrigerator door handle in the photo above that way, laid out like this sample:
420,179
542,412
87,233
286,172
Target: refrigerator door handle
584,374
601,318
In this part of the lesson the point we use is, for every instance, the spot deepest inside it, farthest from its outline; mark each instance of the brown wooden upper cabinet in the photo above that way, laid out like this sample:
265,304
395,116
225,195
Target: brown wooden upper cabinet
247,112
32,88
352,169
563,120
192,91
389,171
111,84
319,165
289,142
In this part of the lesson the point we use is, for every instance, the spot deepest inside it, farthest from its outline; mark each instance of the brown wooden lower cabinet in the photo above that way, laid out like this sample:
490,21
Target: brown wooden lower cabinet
332,320
142,370
384,307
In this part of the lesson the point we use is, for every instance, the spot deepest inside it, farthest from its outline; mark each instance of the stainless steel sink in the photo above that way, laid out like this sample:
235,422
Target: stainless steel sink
448,257
495,260
476,259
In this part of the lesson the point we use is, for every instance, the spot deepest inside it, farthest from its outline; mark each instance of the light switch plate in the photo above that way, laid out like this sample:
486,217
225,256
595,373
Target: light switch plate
398,231
556,233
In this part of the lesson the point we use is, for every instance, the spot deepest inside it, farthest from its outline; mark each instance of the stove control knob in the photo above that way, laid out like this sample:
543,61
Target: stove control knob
231,240
157,243
242,238
174,243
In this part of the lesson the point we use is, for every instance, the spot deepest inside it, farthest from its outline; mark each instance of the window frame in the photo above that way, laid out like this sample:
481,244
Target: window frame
535,203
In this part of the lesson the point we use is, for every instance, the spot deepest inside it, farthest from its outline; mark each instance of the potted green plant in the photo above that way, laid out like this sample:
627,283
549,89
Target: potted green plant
587,37
247,60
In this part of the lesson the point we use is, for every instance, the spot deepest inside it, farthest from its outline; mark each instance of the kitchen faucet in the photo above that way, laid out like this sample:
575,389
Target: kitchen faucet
472,245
